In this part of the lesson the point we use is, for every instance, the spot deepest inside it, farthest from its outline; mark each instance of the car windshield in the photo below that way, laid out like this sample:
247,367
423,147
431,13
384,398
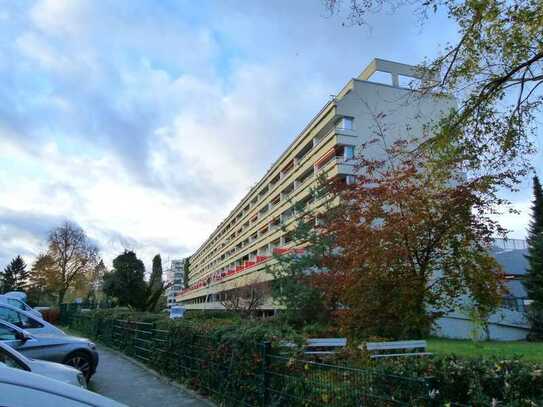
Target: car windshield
16,303
7,333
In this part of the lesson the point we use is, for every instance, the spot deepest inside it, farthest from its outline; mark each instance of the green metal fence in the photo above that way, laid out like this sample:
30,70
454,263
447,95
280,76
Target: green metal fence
275,380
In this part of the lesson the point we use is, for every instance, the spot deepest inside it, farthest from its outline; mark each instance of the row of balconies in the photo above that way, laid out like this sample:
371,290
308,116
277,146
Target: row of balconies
244,266
265,250
263,254
331,156
261,233
345,124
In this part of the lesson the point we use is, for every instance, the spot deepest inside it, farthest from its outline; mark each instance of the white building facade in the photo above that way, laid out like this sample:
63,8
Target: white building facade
175,276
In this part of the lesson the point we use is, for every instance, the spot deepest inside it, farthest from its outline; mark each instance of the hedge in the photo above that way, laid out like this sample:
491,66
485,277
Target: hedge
477,381
221,357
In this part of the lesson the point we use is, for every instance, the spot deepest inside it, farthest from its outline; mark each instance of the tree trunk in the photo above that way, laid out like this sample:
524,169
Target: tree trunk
61,294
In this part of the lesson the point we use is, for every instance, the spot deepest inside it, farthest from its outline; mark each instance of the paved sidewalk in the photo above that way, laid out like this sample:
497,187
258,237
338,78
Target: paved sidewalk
123,380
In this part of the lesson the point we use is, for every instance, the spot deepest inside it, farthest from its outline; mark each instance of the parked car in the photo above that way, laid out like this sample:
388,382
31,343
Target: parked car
79,353
25,389
20,304
11,358
21,295
26,320
177,311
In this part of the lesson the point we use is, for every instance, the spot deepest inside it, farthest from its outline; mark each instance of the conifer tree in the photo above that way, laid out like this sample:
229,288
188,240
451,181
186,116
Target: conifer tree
534,277
15,276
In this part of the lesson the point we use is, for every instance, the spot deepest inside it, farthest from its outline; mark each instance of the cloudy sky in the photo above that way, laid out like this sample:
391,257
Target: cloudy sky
146,121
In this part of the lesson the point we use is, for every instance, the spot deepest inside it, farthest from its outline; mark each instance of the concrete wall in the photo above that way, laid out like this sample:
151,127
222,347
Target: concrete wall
504,325
399,113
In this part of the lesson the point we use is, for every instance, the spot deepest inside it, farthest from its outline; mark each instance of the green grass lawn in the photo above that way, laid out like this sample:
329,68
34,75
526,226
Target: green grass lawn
529,351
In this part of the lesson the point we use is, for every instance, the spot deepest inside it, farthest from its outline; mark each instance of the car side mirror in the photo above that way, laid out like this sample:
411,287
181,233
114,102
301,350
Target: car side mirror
22,336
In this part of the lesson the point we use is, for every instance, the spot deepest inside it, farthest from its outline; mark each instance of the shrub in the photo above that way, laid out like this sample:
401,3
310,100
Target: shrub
476,381
197,351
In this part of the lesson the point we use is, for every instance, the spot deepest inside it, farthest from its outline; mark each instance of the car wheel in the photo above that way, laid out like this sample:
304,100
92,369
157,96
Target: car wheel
81,361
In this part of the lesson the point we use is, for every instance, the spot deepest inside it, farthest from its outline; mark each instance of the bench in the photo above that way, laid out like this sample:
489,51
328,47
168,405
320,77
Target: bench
397,348
320,346
331,345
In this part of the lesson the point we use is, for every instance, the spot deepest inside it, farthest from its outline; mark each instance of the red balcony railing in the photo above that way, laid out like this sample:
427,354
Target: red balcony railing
219,275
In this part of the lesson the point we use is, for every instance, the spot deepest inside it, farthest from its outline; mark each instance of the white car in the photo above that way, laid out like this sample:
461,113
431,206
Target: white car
177,311
27,321
19,303
25,389
11,358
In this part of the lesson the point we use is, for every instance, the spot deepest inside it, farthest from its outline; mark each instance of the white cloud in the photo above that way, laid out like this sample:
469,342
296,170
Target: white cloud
516,222
146,122
59,17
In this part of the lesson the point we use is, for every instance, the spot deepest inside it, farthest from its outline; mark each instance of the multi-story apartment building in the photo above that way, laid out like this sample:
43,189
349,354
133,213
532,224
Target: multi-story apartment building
241,247
175,276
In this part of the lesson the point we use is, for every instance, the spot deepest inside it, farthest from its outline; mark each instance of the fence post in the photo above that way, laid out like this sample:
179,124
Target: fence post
432,397
265,349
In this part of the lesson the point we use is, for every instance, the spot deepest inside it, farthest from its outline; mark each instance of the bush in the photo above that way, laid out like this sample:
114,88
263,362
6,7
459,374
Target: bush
199,351
535,317
476,381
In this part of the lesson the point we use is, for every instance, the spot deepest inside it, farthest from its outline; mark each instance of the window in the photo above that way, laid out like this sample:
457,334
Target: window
16,303
7,334
10,361
346,123
18,319
348,152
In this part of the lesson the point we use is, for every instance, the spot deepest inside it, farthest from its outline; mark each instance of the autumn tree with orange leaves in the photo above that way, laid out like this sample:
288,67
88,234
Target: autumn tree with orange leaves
407,243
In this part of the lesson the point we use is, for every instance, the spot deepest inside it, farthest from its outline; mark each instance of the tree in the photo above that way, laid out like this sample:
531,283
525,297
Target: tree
186,271
534,276
405,243
246,297
414,239
302,303
15,276
44,280
155,281
155,287
126,281
495,71
73,256
96,278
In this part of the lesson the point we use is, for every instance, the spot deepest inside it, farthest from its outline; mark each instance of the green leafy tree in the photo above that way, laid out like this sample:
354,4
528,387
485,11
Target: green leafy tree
43,281
155,287
302,303
534,277
186,271
15,276
155,281
126,282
